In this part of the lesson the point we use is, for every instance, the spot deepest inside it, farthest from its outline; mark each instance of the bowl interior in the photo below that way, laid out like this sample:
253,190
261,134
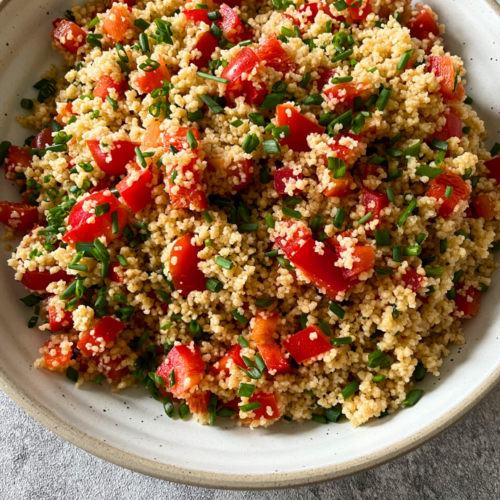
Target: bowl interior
131,428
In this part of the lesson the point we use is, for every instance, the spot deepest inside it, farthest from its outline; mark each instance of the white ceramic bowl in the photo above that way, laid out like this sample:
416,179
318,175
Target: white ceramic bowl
130,429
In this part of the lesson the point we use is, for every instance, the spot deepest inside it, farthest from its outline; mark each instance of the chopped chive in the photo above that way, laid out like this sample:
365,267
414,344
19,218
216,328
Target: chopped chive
343,55
420,238
349,389
466,130
115,227
122,260
214,285
367,217
248,227
324,327
285,263
207,217
412,397
340,216
72,374
405,58
397,253
448,192
246,390
271,146
378,378
434,271
383,99
250,143
412,251
382,238
78,267
141,24
305,80
341,79
212,77
257,119
457,276
210,102
222,262
384,271
171,378
264,171
239,317
495,150
341,341
337,310
413,150
193,143
303,321
197,115
250,407
102,209
316,223
140,158
270,221
272,253
396,138
483,287
167,325
144,43
236,123
291,213
264,302
390,195
409,209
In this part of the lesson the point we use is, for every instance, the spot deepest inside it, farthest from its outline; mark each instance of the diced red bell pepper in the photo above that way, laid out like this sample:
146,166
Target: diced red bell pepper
484,206
43,139
100,186
374,201
234,356
307,344
452,128
113,272
273,55
281,178
244,62
188,367
364,260
206,45
186,190
461,191
18,216
274,359
117,23
198,403
106,83
345,153
345,93
339,188
130,3
269,407
109,368
252,93
186,275
240,174
18,161
312,9
136,189
359,14
59,319
412,279
40,280
104,333
86,226
492,165
65,113
147,81
291,237
469,303
198,16
320,268
115,161
300,127
152,137
325,75
69,35
442,66
265,324
423,24
54,357
231,24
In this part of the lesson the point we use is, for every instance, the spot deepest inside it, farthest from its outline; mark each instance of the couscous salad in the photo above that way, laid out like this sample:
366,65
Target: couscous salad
257,210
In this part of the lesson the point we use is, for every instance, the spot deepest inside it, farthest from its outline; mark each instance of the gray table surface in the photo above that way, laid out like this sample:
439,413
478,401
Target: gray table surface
462,463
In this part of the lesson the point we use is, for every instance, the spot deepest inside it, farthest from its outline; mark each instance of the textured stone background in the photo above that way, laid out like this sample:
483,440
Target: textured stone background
462,463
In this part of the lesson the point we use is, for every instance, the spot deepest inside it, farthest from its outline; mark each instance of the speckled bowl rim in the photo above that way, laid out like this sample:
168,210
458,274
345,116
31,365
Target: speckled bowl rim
236,481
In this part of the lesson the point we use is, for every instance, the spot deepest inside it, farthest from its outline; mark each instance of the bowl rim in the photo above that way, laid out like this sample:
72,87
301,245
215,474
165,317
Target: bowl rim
192,477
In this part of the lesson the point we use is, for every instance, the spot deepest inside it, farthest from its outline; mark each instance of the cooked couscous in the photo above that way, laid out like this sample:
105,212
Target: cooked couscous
258,210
